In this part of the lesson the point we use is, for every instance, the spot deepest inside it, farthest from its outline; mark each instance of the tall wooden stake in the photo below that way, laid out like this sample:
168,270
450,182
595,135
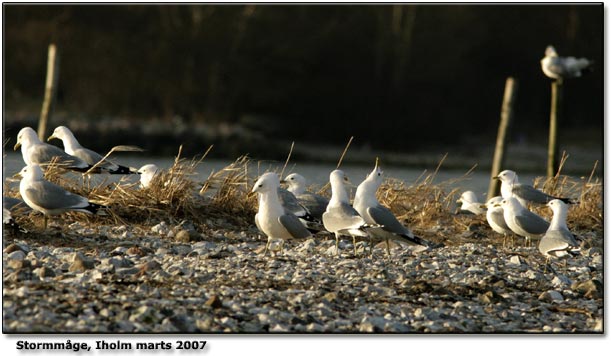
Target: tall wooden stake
555,115
511,87
50,86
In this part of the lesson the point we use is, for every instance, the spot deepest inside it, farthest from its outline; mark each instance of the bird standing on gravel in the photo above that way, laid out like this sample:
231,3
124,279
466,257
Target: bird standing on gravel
469,203
341,218
522,221
48,198
495,218
35,151
272,219
316,204
74,148
558,241
510,187
560,68
368,206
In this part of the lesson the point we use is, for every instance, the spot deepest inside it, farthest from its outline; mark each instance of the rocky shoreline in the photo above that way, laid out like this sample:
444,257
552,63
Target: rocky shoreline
173,279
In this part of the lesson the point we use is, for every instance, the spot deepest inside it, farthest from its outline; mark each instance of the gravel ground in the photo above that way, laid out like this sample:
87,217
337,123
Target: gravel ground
123,279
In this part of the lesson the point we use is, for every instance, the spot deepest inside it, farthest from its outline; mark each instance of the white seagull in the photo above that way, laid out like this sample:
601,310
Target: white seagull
48,198
368,206
511,187
469,203
35,151
316,204
147,173
522,221
559,68
74,148
272,219
495,218
558,241
341,218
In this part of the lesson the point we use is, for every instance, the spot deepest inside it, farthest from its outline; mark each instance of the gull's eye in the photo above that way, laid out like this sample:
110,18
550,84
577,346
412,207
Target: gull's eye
260,185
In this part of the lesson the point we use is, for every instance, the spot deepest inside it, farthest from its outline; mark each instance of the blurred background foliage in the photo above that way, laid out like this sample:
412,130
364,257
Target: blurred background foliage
424,74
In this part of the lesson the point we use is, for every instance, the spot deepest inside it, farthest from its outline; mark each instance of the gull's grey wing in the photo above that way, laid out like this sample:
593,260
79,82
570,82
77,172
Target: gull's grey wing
51,197
292,224
557,240
45,153
382,216
316,204
528,192
342,217
499,219
531,223
557,66
291,204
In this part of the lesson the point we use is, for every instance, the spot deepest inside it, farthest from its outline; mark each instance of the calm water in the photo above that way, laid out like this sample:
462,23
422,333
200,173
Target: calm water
317,174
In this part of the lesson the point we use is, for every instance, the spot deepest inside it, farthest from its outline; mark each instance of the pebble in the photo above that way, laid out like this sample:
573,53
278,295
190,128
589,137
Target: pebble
150,282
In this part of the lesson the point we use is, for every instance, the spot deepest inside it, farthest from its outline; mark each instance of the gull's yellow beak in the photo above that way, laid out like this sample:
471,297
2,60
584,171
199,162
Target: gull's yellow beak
51,137
16,146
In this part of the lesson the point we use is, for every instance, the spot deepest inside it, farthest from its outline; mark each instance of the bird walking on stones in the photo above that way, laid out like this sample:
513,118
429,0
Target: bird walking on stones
272,219
558,241
522,221
470,204
49,198
368,206
340,218
316,204
495,218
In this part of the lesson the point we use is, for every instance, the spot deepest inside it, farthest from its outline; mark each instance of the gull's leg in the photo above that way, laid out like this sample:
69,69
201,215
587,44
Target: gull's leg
337,244
266,246
354,244
45,219
388,247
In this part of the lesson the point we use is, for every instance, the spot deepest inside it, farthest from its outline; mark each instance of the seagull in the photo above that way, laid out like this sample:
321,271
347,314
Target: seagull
495,218
48,198
35,151
368,206
559,68
74,148
522,221
272,219
340,218
523,192
316,204
147,173
558,241
470,204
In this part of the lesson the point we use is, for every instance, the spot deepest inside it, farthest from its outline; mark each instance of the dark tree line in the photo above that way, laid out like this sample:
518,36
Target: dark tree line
422,72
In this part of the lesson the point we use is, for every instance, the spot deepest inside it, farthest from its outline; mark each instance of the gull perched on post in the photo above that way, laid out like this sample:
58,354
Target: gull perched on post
522,221
316,204
272,219
74,148
48,198
35,151
560,68
340,218
469,203
510,187
558,241
368,206
495,218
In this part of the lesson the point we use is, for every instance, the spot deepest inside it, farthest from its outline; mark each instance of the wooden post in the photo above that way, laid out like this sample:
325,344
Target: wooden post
511,87
555,115
50,90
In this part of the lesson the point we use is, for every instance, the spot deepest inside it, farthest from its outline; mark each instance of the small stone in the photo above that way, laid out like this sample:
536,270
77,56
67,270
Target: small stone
514,261
182,236
80,263
19,264
551,296
16,255
12,248
149,266
490,297
214,302
592,289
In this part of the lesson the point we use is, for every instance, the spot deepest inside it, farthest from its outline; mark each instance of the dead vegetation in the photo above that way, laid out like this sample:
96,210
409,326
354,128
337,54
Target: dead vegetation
426,206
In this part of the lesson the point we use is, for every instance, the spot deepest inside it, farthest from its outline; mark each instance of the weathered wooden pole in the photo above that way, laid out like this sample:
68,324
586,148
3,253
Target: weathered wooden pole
511,87
554,117
50,90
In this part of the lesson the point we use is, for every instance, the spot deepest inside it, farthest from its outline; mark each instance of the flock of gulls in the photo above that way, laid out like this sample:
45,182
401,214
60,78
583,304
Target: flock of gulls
295,213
